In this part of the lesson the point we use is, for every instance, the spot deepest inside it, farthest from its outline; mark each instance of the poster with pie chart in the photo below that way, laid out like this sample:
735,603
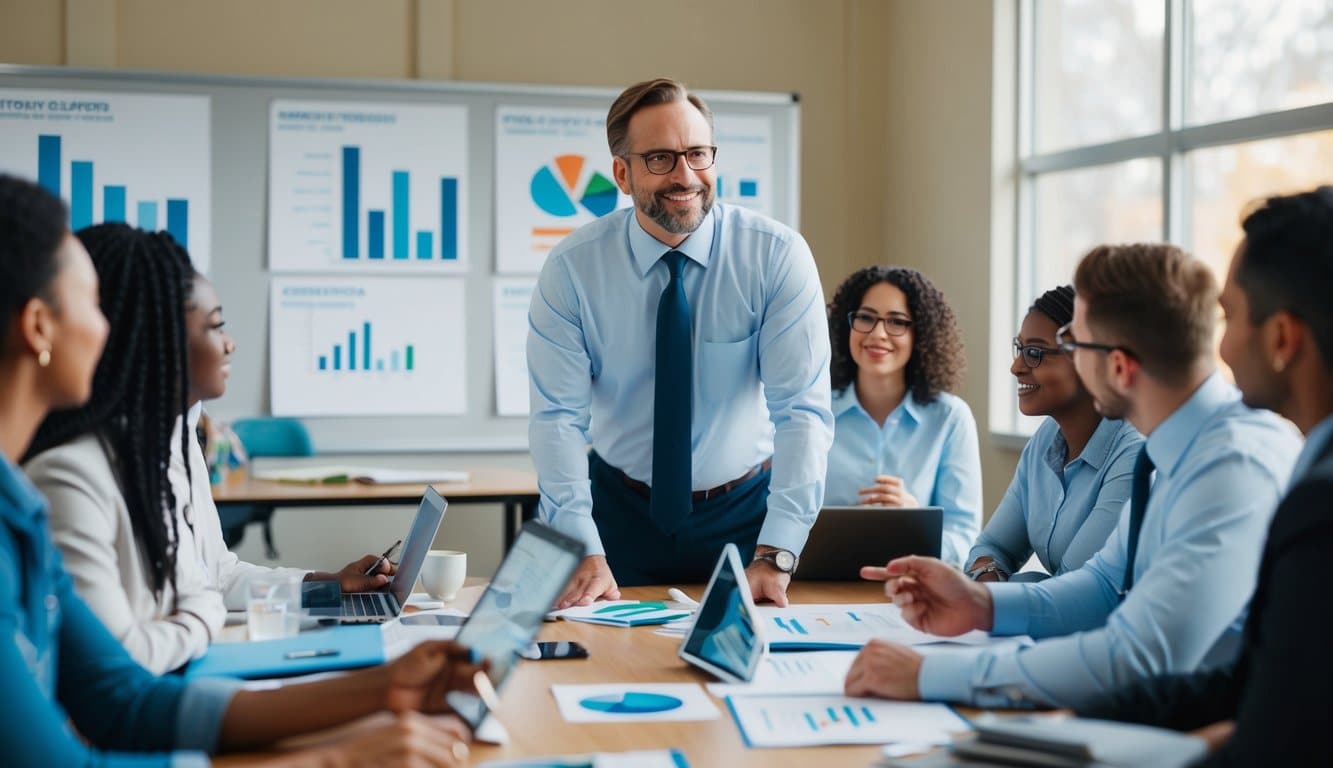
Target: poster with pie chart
623,702
552,176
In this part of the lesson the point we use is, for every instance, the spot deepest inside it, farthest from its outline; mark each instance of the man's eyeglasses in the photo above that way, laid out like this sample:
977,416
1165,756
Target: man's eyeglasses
1032,354
660,162
865,322
1067,344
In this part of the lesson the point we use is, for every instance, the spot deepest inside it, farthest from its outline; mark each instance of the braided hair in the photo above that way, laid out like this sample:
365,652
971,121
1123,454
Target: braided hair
937,363
141,385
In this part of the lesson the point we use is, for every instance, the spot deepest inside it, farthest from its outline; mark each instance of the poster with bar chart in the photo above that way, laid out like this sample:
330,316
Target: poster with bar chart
552,176
142,159
367,187
362,346
745,160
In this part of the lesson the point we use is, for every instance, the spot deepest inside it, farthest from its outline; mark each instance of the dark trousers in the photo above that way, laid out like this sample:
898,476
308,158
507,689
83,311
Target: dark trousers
640,553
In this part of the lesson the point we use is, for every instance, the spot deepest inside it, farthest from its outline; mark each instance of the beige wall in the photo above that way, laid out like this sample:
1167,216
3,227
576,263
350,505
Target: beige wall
896,119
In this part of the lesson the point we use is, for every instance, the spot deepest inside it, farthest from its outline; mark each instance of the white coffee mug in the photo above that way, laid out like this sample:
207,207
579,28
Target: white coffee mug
443,573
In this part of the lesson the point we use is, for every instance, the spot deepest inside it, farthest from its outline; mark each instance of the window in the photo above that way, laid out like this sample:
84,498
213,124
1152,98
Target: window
1157,119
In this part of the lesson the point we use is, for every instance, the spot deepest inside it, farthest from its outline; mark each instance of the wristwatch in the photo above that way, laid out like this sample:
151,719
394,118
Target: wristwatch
990,567
781,559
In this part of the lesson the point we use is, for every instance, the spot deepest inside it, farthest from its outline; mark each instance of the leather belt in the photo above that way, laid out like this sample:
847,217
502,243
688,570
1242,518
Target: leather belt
643,490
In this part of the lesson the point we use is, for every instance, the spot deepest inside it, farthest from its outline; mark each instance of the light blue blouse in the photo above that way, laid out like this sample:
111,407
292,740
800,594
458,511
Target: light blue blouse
932,447
1062,511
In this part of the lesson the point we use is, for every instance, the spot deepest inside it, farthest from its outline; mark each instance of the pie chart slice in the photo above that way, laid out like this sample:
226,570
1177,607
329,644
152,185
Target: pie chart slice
600,196
631,703
550,195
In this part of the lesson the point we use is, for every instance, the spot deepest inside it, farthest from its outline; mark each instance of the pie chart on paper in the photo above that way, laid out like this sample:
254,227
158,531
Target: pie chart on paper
631,703
554,188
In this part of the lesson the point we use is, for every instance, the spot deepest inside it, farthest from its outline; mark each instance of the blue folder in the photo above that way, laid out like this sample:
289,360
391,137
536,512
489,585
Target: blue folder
322,650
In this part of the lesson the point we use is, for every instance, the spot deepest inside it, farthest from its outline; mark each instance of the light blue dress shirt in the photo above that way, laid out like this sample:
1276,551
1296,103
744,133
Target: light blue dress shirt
761,358
60,667
1221,469
932,447
1062,511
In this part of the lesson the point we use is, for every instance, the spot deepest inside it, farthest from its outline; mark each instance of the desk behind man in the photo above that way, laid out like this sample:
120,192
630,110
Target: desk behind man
688,343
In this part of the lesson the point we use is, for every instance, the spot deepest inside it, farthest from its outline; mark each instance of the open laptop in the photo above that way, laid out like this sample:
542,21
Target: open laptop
510,612
379,607
845,538
725,639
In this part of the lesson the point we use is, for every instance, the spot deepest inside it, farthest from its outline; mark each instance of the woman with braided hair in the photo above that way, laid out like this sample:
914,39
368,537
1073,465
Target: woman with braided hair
131,509
73,696
901,435
1074,476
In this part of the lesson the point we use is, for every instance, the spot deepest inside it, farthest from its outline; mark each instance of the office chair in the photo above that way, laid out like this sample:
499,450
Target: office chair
262,437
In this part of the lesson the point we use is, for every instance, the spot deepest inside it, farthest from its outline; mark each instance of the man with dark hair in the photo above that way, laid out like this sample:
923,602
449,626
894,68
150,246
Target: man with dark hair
1167,592
1279,344
685,341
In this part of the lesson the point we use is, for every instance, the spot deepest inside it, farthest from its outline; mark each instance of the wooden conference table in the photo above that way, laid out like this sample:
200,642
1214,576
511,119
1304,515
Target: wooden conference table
639,655
514,488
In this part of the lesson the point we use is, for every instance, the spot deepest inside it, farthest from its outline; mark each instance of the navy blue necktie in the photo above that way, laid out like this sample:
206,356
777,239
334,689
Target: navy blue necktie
670,499
1138,505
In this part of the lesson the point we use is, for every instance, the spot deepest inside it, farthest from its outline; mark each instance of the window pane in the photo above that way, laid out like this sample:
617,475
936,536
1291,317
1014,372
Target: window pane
1226,181
1253,56
1077,210
1098,71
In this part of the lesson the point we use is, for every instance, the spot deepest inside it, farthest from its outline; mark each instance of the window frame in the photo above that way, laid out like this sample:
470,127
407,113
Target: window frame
1170,146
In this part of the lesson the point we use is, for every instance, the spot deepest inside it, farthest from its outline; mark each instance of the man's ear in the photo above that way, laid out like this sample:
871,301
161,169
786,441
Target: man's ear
1284,339
620,170
1125,369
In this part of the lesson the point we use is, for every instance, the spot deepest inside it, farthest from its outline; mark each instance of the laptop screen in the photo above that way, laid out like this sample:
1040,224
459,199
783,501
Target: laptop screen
417,544
510,612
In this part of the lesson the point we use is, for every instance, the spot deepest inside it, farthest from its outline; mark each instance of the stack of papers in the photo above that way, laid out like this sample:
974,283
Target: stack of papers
846,627
808,721
622,613
1074,742
342,474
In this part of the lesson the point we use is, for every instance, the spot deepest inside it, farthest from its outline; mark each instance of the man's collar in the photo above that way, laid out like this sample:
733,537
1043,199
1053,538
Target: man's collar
1168,443
647,250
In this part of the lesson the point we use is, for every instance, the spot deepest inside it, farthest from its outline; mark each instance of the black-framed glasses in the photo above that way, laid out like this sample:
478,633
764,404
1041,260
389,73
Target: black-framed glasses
865,322
1067,343
660,162
1032,354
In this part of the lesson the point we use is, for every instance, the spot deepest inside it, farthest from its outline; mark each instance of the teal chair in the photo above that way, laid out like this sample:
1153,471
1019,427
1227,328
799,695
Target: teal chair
262,437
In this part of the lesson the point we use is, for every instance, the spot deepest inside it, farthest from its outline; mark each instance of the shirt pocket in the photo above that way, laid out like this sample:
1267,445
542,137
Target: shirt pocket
728,370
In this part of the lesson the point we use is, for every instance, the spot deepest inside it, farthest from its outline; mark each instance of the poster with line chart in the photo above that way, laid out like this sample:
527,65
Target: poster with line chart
552,176
363,346
367,187
744,165
143,159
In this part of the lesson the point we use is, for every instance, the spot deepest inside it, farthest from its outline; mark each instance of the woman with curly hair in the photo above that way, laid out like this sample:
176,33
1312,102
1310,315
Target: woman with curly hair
1074,476
901,437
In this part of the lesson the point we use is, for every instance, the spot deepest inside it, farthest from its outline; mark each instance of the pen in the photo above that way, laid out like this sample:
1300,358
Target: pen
313,653
383,557
681,597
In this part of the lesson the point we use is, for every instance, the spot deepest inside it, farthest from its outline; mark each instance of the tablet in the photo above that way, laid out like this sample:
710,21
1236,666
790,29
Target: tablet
509,614
725,638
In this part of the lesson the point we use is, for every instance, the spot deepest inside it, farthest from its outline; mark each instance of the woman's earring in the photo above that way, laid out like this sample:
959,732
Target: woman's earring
1279,365
44,358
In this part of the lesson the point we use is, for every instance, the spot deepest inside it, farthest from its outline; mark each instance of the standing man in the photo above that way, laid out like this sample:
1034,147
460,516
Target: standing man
1167,592
687,342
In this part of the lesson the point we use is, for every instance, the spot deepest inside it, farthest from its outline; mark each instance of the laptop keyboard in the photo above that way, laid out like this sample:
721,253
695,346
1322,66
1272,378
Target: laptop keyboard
365,604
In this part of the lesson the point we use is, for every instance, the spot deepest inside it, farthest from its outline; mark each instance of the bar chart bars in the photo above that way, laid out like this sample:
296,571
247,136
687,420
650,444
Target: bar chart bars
367,360
367,187
140,159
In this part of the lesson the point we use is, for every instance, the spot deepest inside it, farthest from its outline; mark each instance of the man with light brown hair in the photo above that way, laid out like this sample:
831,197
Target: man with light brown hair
686,341
1168,591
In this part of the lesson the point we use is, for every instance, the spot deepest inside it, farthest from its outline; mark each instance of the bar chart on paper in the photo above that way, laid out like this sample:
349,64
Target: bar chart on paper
367,187
141,159
367,346
791,721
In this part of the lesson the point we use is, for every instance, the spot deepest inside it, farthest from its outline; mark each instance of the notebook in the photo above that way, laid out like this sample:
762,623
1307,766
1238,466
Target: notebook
322,650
